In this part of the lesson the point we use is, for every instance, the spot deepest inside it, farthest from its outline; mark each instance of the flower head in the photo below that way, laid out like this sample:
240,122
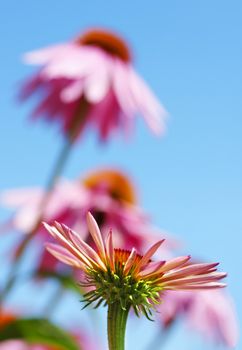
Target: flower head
108,193
91,81
117,275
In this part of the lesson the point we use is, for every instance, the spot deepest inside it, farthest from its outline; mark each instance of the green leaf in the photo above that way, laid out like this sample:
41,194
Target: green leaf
39,331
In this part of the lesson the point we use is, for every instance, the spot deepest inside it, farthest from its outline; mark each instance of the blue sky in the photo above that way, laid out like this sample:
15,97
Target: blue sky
189,181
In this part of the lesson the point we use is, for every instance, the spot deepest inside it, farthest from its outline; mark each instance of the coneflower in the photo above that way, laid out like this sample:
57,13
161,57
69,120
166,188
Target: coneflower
124,279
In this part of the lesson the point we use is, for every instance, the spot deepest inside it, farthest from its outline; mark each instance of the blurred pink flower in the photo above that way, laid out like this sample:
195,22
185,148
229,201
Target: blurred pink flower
108,194
91,81
209,312
21,345
85,344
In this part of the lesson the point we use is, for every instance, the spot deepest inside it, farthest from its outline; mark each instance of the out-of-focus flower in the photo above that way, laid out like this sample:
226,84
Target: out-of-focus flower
91,81
108,194
21,345
123,276
209,312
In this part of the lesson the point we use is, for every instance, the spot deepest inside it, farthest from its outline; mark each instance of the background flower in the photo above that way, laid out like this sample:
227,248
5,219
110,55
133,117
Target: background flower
90,81
108,194
211,313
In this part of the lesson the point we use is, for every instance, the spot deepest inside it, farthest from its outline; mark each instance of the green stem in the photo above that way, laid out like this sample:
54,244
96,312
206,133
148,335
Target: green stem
12,276
117,318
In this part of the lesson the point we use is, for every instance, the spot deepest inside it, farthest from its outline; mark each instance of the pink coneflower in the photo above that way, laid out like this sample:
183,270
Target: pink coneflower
91,81
108,193
22,345
211,313
126,278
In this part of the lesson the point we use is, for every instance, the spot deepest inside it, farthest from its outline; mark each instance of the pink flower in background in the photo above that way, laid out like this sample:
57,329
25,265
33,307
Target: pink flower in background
91,81
108,194
209,312
21,345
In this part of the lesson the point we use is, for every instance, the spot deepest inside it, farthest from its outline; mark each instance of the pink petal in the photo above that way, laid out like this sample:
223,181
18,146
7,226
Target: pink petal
62,238
122,88
150,252
44,55
96,234
72,92
174,263
193,269
75,63
87,250
197,279
64,255
202,286
129,263
152,111
97,83
110,250
151,269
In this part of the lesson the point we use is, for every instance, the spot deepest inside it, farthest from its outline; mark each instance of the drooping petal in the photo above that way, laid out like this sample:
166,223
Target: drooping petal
72,92
43,56
152,111
86,249
97,83
65,256
66,243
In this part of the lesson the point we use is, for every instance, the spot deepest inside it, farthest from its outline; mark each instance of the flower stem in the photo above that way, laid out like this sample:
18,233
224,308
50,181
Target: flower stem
117,318
12,276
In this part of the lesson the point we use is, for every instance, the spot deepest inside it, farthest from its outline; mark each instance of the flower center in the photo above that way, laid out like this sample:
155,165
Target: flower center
108,41
121,256
113,182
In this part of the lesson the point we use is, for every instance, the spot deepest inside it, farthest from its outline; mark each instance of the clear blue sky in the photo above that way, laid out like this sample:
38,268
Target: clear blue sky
190,52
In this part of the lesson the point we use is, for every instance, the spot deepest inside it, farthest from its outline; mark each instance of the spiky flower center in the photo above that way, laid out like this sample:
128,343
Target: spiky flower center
108,41
114,286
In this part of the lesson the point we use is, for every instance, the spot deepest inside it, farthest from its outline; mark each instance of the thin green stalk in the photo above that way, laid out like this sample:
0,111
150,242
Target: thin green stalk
117,318
12,276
